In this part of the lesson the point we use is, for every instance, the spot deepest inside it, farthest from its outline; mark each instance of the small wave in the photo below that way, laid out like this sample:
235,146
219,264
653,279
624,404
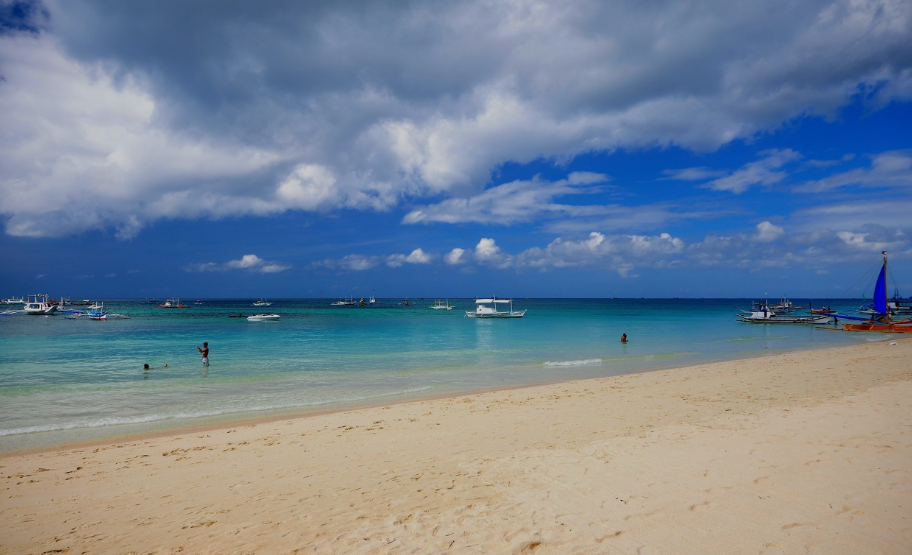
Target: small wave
191,414
575,362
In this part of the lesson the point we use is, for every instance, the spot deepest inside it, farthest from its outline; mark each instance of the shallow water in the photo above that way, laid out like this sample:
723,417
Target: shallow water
65,380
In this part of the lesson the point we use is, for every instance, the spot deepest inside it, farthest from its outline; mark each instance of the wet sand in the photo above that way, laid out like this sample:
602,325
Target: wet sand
799,453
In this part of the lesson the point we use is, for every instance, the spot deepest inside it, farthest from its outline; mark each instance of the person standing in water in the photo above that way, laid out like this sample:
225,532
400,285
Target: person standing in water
205,352
623,338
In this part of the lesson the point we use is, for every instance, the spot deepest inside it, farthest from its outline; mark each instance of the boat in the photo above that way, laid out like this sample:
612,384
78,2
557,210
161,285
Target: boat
880,315
172,303
784,305
487,308
14,300
39,305
97,312
262,302
766,316
344,302
440,305
262,317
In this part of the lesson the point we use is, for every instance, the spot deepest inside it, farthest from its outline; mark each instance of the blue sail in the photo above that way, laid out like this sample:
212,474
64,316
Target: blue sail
880,291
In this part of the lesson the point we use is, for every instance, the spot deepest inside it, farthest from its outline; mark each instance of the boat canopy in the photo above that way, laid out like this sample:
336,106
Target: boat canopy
486,301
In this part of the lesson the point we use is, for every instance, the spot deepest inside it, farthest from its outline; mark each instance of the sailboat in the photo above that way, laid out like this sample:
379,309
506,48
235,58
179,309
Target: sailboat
880,319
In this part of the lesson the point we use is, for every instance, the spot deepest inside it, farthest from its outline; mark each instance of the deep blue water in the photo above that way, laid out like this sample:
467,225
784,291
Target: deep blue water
64,380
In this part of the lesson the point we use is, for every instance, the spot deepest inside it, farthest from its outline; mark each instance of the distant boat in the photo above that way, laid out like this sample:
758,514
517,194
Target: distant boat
344,302
39,305
262,302
172,303
487,308
263,317
97,312
441,305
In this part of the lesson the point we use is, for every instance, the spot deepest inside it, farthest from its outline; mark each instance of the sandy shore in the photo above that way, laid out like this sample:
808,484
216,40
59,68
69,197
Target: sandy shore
798,453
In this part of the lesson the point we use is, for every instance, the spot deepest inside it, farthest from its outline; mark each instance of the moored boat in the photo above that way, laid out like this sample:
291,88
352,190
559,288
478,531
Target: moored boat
172,303
263,317
767,316
487,308
39,305
441,305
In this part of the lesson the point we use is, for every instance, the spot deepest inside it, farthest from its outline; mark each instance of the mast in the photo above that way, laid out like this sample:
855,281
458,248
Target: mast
886,299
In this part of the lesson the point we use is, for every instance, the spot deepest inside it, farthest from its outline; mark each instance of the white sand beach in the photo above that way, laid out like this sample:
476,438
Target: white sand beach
806,452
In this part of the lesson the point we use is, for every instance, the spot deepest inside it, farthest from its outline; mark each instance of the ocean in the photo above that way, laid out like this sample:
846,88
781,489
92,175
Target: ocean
65,380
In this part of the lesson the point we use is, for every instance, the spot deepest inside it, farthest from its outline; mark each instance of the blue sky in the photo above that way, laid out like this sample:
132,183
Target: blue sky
454,149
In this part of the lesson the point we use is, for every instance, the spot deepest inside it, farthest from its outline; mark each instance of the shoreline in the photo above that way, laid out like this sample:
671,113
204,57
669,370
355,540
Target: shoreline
588,465
243,419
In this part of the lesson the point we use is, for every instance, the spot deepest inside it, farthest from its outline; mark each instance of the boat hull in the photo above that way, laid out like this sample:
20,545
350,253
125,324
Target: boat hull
776,319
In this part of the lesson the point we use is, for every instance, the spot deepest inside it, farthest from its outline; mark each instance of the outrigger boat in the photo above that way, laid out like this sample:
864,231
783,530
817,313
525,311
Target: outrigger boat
487,308
440,305
880,319
39,305
767,316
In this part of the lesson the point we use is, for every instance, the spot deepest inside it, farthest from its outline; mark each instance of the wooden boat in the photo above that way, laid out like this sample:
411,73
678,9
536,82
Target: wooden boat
880,321
487,308
769,317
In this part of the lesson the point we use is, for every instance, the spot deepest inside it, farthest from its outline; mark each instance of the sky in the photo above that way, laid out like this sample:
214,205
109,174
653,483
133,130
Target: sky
572,148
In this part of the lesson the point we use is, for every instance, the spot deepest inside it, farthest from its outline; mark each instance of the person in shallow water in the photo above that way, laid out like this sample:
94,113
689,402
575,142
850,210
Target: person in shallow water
205,352
623,338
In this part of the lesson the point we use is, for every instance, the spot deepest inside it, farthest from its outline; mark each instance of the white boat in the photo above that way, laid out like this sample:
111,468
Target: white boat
440,305
172,303
263,317
344,302
39,304
14,300
262,302
487,308
764,315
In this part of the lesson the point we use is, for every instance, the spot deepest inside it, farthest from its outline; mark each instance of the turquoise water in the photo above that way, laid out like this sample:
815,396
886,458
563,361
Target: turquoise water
65,380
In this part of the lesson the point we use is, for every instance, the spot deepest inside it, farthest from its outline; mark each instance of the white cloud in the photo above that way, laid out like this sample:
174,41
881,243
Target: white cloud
268,110
514,202
455,256
768,232
417,256
762,172
888,170
250,262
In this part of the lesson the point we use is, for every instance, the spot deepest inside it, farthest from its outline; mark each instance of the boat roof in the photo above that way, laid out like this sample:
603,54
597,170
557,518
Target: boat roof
479,301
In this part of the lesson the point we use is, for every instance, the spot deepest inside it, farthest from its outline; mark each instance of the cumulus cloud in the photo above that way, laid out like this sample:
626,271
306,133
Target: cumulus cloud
767,232
249,262
124,115
417,256
455,256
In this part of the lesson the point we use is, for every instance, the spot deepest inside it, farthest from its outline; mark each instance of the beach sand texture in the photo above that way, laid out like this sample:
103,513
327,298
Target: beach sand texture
805,452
